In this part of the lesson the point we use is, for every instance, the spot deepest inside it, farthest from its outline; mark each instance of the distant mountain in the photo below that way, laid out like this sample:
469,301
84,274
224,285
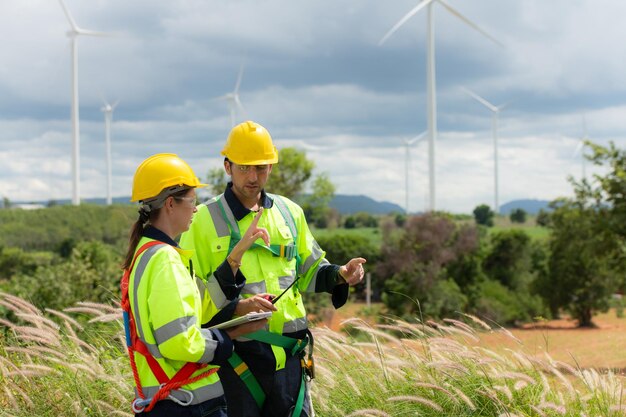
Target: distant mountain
345,204
349,204
529,206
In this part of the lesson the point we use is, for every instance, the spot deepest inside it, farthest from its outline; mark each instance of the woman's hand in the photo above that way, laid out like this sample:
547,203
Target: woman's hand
258,302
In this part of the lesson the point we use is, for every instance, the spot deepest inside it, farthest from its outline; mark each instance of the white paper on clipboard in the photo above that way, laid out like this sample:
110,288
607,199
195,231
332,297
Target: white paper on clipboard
254,316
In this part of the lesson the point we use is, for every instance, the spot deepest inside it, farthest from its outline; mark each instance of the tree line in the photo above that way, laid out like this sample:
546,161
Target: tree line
430,265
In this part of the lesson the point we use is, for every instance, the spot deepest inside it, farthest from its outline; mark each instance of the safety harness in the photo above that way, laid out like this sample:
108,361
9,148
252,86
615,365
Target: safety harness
135,344
294,346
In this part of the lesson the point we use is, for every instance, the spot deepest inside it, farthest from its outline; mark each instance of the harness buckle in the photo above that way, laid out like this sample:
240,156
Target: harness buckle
309,367
139,404
178,401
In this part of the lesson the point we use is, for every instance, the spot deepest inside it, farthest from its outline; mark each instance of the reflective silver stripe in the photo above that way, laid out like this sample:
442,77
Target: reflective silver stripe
284,211
201,287
316,253
173,328
254,288
295,325
139,270
221,228
200,394
230,217
209,346
313,282
284,282
217,295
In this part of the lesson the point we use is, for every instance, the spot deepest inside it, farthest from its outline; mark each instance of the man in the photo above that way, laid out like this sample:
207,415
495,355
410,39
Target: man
264,278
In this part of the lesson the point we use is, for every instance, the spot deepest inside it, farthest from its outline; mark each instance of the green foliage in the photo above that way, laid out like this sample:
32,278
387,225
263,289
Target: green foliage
91,273
509,257
316,204
217,180
483,215
46,229
414,261
586,261
543,218
518,216
291,173
360,219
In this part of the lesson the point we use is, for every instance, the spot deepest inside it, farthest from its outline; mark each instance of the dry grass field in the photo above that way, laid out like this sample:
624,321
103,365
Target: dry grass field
603,347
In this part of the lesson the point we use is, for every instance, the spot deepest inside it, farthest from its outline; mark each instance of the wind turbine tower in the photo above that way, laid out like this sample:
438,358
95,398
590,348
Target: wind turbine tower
430,77
107,109
494,128
407,160
73,35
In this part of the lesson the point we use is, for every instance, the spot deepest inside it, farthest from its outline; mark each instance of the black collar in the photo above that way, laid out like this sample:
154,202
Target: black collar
238,209
156,234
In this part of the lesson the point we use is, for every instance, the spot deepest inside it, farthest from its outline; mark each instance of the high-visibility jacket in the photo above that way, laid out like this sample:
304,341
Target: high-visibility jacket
210,237
169,305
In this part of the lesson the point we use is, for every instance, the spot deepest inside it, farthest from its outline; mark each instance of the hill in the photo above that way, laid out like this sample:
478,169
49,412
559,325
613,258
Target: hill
345,204
529,206
349,204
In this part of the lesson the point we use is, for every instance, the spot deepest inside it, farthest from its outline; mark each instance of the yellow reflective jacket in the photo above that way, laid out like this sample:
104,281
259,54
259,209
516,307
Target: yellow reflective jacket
169,305
210,237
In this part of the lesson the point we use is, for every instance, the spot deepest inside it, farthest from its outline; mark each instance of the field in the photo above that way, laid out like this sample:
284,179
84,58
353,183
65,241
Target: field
602,348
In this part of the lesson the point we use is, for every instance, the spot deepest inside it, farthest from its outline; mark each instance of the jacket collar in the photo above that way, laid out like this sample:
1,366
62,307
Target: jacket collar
238,209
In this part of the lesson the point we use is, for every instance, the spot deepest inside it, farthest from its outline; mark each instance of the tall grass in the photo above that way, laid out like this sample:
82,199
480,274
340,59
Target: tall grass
73,363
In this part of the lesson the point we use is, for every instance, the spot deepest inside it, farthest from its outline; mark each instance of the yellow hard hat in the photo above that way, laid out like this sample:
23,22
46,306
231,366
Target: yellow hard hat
249,143
161,171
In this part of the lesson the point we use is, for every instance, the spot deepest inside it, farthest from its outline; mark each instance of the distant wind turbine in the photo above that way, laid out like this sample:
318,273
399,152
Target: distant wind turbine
430,77
407,160
232,98
494,128
580,149
73,34
107,109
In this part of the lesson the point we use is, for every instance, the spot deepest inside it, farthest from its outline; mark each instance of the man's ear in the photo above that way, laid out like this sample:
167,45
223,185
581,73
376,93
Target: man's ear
227,168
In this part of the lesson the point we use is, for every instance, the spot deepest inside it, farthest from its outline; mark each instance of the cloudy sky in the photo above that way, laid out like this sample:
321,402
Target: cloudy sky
316,77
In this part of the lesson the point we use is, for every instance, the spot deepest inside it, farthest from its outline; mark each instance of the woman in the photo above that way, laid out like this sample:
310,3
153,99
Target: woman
173,359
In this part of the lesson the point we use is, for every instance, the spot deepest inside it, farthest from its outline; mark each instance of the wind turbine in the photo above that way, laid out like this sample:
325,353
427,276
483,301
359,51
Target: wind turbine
407,159
580,149
107,109
73,34
430,77
494,128
232,99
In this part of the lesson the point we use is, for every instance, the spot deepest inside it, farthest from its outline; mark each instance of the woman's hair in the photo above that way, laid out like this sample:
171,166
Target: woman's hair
146,214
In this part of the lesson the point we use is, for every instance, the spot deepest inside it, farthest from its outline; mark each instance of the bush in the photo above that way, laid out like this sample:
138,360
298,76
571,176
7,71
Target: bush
483,215
518,216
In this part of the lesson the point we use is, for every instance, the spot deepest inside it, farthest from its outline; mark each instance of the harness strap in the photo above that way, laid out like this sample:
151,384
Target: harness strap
242,370
134,344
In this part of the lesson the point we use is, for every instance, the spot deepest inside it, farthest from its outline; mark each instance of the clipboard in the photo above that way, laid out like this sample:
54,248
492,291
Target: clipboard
254,316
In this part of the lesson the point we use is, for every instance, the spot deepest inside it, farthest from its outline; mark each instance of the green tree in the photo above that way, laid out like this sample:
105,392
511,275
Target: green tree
291,173
217,180
484,215
518,216
316,205
586,262
414,261
6,203
543,218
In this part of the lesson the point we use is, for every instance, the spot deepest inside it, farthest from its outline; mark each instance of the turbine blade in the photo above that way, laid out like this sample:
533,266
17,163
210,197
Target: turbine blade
115,105
238,103
480,99
88,32
416,138
402,21
579,147
469,22
68,16
238,83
